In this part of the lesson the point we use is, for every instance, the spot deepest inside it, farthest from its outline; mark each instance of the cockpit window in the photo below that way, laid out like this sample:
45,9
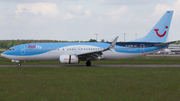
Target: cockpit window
11,49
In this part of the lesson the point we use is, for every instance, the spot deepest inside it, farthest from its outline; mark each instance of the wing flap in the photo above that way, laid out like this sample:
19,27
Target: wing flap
91,52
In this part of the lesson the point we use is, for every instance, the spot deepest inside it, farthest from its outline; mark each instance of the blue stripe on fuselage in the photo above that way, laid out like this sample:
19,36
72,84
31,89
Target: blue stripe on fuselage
37,48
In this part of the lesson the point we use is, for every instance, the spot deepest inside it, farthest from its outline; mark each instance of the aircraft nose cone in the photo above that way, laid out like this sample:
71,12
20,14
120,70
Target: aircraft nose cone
5,55
2,54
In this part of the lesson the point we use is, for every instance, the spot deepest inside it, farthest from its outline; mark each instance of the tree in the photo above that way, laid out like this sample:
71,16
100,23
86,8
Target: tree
102,40
9,45
178,42
92,40
1,44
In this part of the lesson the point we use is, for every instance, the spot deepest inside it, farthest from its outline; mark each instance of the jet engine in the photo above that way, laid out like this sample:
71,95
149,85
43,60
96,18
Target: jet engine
68,59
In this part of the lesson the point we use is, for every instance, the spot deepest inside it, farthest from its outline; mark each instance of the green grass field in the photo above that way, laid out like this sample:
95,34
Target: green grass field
89,84
92,83
2,49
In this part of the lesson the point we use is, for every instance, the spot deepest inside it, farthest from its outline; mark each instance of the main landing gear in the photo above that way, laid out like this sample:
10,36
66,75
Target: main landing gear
88,63
19,64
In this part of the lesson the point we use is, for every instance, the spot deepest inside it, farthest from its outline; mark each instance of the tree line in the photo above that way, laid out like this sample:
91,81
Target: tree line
178,42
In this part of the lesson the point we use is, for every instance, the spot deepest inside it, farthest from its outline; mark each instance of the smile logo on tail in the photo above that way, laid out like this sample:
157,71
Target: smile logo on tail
159,34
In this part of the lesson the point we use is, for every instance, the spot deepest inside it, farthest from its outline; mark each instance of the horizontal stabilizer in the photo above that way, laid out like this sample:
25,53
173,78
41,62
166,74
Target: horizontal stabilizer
164,44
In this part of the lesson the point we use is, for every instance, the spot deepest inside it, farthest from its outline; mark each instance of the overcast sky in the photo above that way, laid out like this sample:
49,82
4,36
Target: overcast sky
81,19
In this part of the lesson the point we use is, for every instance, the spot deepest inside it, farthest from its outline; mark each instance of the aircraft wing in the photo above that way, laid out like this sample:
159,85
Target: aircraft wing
164,44
98,54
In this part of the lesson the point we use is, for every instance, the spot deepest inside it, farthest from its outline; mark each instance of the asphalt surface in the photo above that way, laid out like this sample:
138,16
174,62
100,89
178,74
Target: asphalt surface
118,66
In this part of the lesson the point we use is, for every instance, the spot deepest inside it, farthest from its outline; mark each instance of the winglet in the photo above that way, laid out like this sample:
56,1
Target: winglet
113,43
111,47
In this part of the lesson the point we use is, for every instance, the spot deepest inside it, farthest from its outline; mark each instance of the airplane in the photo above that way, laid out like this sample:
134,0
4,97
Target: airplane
168,51
72,53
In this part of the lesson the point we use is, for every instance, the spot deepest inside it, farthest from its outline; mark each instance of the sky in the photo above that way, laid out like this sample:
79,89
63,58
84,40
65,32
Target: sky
73,20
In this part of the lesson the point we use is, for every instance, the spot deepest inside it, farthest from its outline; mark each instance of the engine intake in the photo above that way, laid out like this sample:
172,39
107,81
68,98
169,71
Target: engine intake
68,59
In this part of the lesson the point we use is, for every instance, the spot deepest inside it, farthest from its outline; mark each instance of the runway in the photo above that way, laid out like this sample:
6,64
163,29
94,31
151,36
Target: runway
117,66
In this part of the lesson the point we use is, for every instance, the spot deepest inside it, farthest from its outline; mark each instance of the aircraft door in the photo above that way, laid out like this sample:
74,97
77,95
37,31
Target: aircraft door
22,50
142,48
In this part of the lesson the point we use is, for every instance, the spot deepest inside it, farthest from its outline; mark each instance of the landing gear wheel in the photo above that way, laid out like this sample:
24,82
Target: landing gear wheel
19,64
88,63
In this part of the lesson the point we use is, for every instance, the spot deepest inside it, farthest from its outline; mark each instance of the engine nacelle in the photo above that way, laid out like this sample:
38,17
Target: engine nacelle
68,59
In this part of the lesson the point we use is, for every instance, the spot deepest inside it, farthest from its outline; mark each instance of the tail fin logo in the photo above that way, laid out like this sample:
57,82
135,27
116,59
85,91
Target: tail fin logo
156,30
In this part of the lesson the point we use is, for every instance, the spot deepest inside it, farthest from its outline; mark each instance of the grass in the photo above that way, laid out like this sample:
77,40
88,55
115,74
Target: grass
87,84
82,83
2,50
139,60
